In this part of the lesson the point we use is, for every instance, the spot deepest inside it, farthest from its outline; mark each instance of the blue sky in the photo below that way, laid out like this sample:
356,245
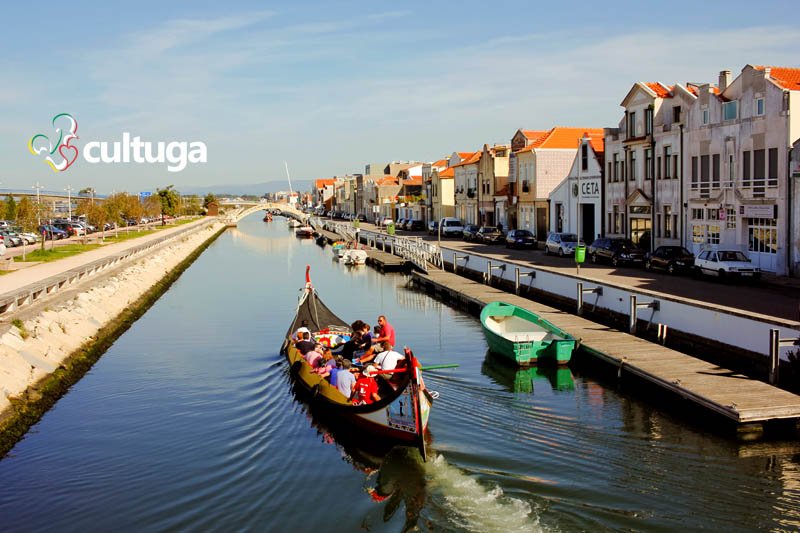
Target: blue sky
330,86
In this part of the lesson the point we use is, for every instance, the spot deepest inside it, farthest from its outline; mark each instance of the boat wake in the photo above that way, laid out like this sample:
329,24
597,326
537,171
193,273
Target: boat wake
470,506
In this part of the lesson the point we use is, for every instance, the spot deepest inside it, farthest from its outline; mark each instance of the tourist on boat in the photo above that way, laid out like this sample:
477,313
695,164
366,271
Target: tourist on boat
385,331
305,344
388,359
349,348
327,363
314,357
298,335
334,371
345,379
366,388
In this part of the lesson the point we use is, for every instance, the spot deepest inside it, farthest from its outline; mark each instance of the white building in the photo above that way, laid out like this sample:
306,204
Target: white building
738,146
576,203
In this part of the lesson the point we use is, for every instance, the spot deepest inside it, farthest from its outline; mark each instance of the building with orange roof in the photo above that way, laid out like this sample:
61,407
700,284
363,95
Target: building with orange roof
742,162
465,176
642,182
576,203
492,193
538,165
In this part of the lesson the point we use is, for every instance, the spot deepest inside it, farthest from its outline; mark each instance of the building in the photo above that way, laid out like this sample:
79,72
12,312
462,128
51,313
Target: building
576,202
520,140
643,178
465,175
739,143
492,193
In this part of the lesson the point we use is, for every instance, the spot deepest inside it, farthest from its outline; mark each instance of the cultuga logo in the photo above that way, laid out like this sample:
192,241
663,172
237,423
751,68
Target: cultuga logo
60,155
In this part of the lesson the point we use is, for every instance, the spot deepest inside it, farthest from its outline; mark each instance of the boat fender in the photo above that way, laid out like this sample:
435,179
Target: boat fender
434,394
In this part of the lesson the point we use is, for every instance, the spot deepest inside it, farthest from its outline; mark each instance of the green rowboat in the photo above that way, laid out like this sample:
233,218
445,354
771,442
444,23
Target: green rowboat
524,337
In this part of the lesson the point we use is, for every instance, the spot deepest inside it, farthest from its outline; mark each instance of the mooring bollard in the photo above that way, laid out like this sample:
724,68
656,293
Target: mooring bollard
489,268
654,305
581,291
517,274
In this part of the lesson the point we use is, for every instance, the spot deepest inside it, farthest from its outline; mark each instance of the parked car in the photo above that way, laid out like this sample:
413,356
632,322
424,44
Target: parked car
726,264
433,227
489,235
10,238
451,227
520,238
562,244
51,232
385,221
399,223
470,232
71,228
616,251
673,259
417,225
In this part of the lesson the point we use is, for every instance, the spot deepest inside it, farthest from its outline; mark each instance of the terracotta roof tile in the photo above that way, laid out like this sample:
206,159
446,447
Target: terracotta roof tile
386,181
447,173
533,134
658,88
786,77
472,159
319,184
413,180
440,163
563,138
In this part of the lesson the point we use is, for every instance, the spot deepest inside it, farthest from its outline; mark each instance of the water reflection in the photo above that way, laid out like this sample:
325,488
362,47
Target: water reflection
521,380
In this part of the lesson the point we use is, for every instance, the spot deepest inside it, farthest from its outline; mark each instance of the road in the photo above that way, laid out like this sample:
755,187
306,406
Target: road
778,297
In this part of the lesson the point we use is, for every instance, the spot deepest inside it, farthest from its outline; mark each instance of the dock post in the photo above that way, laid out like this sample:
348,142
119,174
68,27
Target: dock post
579,299
455,263
632,316
489,273
518,274
774,355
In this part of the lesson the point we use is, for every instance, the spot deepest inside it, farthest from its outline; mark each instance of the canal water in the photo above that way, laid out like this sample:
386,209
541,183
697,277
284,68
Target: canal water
188,422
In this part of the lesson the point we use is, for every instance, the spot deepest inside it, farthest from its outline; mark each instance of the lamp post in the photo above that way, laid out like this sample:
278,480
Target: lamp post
69,201
38,204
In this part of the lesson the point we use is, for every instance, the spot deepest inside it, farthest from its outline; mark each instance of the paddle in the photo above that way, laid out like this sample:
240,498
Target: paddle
437,367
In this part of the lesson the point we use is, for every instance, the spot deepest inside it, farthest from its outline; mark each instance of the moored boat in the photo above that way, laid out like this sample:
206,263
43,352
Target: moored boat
294,223
524,337
401,416
304,231
354,257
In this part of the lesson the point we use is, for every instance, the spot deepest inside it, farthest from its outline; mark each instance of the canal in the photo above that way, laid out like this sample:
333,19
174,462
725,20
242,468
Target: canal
188,422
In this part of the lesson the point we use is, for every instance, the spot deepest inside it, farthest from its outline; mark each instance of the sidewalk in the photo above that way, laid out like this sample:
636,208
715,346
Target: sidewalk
18,279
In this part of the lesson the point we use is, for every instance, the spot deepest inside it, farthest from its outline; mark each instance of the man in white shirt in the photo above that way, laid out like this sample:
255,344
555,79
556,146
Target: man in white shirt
388,358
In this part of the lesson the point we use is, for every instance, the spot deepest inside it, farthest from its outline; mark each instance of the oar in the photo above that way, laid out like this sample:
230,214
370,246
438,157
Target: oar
437,367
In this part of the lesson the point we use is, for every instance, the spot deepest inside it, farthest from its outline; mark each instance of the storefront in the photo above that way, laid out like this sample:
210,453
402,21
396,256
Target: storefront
762,235
576,208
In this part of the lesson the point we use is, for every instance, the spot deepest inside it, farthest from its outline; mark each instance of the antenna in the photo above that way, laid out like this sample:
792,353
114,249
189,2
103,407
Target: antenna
291,192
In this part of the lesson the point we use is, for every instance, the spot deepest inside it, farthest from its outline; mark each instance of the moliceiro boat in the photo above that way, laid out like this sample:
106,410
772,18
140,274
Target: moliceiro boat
399,417
524,337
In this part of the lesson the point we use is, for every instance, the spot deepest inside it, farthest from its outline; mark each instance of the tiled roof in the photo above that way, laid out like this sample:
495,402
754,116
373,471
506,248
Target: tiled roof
661,90
597,141
447,173
472,159
413,180
319,184
788,78
533,134
440,163
465,155
563,138
386,181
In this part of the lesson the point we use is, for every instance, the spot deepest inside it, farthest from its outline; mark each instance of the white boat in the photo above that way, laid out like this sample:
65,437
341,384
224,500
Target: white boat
294,223
304,231
354,257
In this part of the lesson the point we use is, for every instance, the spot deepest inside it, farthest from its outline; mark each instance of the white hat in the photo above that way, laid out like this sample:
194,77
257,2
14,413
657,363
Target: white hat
370,371
303,330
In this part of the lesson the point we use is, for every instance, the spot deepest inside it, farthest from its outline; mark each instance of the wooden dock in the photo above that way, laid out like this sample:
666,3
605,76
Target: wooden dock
746,402
386,262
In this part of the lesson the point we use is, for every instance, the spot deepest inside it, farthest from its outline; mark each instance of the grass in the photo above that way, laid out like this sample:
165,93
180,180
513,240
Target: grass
59,252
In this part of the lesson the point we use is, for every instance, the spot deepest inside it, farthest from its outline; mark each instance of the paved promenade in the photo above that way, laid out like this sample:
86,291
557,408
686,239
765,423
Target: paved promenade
17,279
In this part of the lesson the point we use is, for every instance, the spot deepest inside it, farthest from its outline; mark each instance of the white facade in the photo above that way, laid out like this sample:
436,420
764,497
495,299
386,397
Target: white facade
576,205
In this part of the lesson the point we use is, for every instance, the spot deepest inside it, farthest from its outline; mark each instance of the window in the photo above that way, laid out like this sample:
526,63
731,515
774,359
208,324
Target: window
610,176
772,169
648,163
746,168
675,226
668,229
759,171
667,161
617,219
697,214
694,172
731,170
698,233
676,114
675,166
648,121
713,213
705,116
704,175
616,167
658,225
730,110
584,156
658,167
632,124
713,234
758,107
632,170
730,218
715,171
762,235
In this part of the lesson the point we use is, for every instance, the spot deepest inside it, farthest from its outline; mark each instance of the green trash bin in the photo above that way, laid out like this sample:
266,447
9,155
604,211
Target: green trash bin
580,253
390,229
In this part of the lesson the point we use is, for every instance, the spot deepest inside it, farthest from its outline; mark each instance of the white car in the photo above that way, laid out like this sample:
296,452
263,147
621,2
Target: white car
385,221
451,227
726,264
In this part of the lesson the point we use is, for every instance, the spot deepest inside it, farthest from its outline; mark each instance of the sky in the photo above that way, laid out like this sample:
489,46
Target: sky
330,86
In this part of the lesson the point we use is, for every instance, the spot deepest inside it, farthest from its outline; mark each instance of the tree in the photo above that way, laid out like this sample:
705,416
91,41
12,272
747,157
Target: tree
170,200
208,199
10,208
95,214
26,215
192,206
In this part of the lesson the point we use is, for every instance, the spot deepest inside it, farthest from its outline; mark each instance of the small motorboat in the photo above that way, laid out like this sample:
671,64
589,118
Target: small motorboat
304,231
523,337
294,223
353,257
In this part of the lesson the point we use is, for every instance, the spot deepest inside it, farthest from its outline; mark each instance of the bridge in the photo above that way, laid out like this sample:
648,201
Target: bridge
237,210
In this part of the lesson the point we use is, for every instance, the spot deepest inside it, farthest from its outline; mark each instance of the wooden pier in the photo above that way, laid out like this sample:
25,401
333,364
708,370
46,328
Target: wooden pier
745,401
386,262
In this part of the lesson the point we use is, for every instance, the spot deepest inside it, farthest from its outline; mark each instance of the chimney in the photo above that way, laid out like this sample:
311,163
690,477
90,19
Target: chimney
724,79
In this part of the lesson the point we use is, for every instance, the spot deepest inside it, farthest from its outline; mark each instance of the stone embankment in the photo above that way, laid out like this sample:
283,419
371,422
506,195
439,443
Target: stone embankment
49,346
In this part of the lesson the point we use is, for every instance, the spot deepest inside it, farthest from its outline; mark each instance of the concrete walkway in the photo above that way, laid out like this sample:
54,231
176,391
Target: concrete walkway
17,279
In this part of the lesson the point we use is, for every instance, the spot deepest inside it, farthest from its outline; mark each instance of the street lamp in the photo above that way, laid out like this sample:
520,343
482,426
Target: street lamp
38,203
69,201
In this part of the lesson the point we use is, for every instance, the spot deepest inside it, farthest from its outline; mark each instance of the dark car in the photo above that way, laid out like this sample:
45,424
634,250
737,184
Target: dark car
489,235
616,251
51,232
417,225
470,232
673,259
520,238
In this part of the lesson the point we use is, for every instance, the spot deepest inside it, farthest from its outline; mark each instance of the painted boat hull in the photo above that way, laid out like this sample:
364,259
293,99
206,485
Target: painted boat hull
523,337
401,417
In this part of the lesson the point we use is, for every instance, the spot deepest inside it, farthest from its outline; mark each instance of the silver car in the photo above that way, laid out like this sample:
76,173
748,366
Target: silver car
562,244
